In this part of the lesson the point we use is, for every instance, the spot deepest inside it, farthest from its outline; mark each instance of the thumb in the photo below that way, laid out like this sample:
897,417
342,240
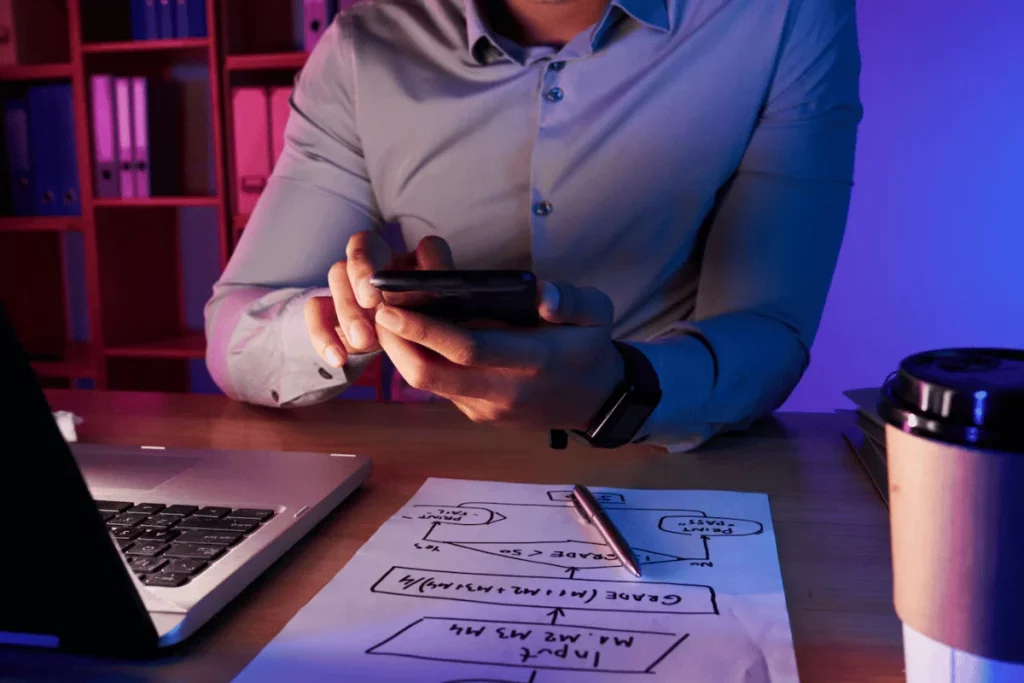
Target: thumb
564,304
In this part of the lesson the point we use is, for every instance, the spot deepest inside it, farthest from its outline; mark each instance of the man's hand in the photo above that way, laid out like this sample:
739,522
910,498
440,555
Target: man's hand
342,323
554,376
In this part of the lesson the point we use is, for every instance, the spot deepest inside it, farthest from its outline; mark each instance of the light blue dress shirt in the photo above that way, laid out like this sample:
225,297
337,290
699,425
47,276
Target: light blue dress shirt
693,159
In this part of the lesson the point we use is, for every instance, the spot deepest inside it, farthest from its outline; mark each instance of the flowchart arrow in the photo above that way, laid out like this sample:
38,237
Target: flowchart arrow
554,614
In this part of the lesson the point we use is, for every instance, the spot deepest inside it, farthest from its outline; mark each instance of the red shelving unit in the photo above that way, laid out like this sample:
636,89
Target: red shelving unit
34,72
183,346
130,46
156,202
285,61
139,336
40,223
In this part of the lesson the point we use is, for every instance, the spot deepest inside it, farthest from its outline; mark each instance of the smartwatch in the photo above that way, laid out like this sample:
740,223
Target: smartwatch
630,404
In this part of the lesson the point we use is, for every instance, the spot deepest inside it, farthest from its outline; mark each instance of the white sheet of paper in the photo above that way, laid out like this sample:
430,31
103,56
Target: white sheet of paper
474,582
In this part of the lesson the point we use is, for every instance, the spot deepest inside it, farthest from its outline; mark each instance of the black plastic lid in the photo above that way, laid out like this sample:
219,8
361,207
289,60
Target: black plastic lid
971,397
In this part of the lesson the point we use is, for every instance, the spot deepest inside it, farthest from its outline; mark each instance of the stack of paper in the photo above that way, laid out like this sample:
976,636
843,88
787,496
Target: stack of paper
868,440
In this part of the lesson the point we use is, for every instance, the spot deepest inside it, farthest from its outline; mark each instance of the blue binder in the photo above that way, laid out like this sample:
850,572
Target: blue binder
144,20
138,8
19,167
52,150
181,23
43,150
196,18
165,18
190,18
70,199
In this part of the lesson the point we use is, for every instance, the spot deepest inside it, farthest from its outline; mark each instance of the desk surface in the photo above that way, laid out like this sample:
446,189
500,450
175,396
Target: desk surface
831,526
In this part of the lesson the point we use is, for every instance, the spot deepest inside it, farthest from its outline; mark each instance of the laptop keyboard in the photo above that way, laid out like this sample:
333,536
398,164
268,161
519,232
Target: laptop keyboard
168,545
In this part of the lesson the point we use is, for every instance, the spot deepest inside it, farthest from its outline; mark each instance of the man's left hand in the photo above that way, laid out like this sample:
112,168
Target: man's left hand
554,376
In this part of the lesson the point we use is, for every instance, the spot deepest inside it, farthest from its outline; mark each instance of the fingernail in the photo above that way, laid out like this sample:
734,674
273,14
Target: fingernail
333,356
360,334
550,297
367,294
389,320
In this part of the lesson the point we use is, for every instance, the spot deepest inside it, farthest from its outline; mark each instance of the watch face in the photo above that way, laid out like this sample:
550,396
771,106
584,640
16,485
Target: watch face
631,419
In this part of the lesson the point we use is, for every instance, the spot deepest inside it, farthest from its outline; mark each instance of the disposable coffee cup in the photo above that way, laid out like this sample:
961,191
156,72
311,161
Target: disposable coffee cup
955,450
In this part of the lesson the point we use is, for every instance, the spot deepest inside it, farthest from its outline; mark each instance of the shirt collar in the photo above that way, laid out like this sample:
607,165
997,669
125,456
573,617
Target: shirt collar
653,13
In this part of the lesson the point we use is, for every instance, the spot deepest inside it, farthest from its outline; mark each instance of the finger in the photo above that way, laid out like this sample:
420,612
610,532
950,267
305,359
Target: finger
433,253
366,253
425,371
321,323
463,346
351,318
565,304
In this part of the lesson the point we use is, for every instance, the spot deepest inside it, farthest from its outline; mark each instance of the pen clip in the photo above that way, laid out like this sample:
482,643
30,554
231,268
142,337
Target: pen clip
579,510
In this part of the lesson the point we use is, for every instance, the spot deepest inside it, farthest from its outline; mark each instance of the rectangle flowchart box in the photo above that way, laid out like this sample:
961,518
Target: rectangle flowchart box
535,645
549,592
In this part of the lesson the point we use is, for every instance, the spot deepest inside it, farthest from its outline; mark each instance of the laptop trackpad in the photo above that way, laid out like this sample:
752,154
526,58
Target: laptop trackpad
122,471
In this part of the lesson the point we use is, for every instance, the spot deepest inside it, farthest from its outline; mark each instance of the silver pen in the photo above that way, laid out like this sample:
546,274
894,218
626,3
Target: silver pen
592,513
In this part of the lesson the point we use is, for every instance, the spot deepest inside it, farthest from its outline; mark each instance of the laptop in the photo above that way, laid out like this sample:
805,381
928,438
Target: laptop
127,550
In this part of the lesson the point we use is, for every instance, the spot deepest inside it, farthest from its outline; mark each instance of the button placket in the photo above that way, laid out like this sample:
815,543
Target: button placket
551,94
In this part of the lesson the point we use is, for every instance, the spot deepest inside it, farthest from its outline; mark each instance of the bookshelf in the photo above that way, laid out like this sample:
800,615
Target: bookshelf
125,265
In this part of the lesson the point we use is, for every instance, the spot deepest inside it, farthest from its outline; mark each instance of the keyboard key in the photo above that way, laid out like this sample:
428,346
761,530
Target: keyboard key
195,550
141,565
210,537
210,511
123,543
148,508
210,524
112,505
252,513
165,579
185,565
106,515
147,548
161,521
128,519
125,532
180,510
162,535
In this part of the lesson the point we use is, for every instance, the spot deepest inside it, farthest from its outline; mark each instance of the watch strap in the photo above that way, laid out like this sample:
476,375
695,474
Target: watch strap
639,390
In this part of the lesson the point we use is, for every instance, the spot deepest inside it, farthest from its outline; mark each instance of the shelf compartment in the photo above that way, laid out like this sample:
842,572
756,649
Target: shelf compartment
147,374
75,362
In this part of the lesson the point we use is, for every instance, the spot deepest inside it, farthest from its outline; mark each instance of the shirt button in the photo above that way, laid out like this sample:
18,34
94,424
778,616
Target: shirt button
555,95
556,66
542,208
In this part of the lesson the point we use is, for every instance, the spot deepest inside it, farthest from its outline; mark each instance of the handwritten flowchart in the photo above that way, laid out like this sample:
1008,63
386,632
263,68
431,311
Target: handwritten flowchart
513,587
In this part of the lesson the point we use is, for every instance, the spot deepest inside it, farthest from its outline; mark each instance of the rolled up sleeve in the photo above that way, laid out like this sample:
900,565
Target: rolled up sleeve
318,196
773,241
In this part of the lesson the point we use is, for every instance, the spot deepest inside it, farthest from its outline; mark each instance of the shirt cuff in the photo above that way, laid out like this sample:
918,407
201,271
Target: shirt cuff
686,371
305,377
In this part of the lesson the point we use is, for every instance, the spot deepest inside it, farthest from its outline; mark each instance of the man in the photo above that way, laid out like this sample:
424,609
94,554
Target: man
676,172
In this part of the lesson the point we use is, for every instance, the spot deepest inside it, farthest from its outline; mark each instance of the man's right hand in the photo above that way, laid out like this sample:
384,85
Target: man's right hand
342,323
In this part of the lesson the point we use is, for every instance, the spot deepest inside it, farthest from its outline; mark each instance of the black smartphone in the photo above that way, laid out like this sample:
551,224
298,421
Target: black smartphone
463,296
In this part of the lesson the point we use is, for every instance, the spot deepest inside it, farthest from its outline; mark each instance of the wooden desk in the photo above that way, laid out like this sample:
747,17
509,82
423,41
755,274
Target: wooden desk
831,526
